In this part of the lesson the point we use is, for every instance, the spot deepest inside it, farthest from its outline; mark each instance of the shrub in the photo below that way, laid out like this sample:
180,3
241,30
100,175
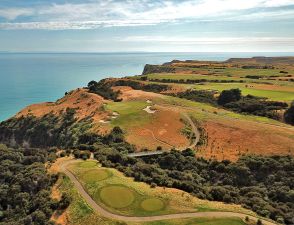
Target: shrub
228,96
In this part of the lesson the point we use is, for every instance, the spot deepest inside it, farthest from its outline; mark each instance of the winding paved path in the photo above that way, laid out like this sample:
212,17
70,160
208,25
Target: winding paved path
111,215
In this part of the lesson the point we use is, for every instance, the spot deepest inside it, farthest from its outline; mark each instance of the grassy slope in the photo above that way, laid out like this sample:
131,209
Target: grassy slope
278,95
280,92
175,201
130,113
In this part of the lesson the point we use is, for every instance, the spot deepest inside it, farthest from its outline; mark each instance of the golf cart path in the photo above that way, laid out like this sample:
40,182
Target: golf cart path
194,129
111,215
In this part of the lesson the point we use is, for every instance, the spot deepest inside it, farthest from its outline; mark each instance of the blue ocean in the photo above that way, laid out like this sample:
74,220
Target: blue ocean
27,78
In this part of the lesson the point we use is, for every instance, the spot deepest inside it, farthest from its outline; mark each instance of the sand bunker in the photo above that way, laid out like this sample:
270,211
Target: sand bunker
104,121
149,110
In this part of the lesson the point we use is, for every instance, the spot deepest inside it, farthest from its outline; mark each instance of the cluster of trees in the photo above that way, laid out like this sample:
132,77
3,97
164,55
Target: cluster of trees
253,76
157,88
263,184
289,114
103,88
63,132
25,187
198,96
46,131
233,100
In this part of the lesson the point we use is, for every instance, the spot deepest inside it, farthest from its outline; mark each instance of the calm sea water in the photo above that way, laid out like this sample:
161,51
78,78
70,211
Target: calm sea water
33,78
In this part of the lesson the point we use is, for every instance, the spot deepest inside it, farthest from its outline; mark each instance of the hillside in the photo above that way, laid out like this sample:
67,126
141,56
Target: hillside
152,109
213,142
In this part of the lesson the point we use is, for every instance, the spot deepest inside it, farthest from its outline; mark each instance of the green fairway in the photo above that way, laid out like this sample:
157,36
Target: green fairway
88,164
200,221
278,95
130,113
152,204
96,175
117,196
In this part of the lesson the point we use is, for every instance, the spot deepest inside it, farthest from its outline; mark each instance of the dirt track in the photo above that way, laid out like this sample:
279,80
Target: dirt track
107,214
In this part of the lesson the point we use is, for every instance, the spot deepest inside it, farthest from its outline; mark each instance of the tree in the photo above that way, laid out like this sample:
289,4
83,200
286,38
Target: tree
289,115
228,96
116,135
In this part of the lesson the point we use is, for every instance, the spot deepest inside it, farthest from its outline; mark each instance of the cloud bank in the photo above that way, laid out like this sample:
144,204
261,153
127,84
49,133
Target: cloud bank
110,13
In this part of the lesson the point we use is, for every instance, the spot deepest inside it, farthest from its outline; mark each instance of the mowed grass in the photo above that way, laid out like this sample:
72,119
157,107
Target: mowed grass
96,175
116,196
205,112
131,113
278,95
122,195
200,221
152,204
79,212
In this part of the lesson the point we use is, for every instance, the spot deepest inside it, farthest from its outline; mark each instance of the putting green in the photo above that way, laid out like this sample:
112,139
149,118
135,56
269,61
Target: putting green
117,196
95,175
152,204
88,164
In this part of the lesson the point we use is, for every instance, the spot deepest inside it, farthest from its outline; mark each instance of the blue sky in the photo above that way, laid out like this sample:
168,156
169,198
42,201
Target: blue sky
147,25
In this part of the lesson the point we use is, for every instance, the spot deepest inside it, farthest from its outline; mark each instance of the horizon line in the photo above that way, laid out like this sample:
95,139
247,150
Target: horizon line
129,52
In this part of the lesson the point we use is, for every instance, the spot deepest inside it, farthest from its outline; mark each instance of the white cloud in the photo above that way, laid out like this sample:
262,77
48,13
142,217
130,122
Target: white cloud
134,13
210,40
13,13
277,3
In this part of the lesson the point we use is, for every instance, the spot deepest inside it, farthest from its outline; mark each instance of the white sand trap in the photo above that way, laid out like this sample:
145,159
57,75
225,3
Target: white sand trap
114,115
148,110
149,101
103,121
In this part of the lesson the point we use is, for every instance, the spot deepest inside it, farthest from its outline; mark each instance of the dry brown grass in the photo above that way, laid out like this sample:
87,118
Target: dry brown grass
86,104
229,139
